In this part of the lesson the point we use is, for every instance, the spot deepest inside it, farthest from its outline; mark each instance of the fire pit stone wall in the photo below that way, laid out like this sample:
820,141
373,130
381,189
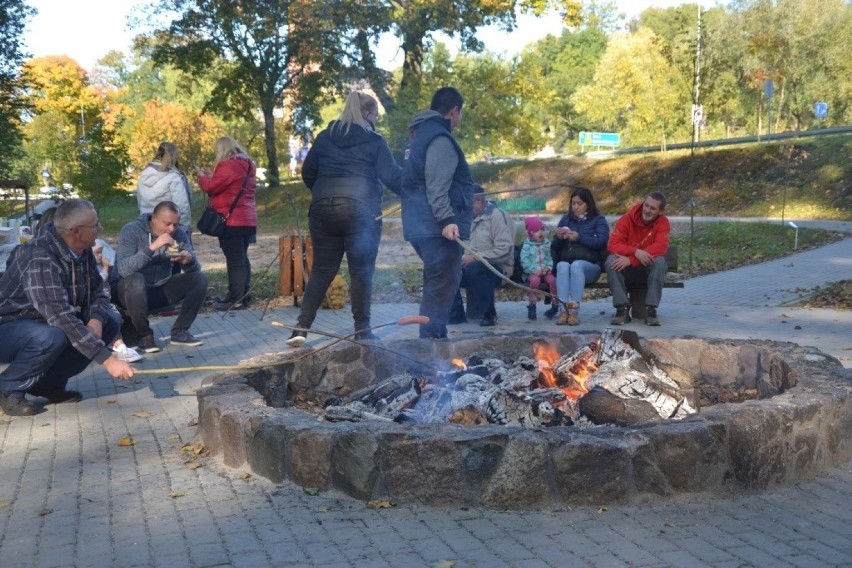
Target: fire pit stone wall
258,420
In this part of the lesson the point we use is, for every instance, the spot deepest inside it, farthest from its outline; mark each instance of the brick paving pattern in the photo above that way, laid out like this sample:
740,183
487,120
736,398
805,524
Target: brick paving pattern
70,495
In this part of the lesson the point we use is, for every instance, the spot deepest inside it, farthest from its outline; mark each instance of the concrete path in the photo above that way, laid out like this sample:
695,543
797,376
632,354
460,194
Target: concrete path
71,495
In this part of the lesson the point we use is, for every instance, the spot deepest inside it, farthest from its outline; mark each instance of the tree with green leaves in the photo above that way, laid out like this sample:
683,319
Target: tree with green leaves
13,17
268,54
415,23
636,92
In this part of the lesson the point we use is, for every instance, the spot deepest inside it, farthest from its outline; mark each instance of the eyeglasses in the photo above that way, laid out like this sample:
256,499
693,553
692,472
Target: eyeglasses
97,226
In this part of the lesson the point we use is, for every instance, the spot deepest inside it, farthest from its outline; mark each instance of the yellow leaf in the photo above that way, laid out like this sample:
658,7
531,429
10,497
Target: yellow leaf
277,324
381,504
176,494
4,504
126,442
141,414
312,490
194,465
245,476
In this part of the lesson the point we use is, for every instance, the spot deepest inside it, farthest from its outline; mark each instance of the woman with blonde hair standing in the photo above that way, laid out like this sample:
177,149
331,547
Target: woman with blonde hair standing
231,187
163,180
345,169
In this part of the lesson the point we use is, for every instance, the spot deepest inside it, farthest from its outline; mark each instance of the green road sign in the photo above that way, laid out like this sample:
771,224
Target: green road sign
609,139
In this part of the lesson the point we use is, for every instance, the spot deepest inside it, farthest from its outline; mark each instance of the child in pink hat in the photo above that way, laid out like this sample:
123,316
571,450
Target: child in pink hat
536,261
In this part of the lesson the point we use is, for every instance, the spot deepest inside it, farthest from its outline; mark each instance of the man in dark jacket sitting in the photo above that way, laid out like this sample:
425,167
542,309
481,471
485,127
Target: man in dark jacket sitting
55,317
148,250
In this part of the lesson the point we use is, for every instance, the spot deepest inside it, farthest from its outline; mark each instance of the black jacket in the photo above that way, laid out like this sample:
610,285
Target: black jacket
350,165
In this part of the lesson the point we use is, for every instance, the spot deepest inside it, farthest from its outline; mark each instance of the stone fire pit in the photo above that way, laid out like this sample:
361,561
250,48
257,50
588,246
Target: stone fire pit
262,419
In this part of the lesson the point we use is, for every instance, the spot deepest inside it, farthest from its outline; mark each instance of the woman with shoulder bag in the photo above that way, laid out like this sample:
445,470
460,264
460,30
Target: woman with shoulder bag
231,188
578,248
345,169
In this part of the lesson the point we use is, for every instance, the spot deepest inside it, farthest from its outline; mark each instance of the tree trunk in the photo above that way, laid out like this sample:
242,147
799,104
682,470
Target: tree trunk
272,177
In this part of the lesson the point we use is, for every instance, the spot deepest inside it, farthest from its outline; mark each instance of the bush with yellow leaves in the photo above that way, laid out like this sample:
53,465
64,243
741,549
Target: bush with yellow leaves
337,294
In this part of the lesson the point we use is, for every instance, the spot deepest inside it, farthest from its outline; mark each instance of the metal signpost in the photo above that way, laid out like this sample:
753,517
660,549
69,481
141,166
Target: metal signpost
598,139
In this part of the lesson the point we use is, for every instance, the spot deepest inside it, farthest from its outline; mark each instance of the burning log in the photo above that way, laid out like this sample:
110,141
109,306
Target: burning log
602,407
541,407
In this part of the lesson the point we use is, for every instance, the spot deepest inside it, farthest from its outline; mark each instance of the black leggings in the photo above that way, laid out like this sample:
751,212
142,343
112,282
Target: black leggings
239,267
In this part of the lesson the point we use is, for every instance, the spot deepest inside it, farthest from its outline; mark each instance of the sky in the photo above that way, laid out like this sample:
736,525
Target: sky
86,30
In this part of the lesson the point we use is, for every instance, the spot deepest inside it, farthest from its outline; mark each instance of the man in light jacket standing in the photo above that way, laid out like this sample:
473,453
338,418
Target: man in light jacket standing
492,237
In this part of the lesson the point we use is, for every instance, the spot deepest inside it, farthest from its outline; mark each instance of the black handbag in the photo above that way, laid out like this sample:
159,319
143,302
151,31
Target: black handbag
214,223
574,251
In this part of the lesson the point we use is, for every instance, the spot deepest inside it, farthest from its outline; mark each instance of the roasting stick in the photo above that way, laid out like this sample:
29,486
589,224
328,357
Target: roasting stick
506,279
406,320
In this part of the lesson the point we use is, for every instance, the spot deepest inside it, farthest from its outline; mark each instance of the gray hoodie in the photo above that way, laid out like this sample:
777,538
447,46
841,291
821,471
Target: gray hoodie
133,253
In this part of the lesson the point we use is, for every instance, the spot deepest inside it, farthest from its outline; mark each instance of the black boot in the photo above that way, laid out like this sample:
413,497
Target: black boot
531,312
16,404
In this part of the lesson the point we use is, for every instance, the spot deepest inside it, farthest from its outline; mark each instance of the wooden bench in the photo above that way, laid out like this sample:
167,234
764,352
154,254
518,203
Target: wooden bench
636,291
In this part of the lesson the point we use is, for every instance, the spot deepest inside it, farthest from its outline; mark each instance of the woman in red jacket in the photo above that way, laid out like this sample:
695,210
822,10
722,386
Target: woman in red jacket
233,178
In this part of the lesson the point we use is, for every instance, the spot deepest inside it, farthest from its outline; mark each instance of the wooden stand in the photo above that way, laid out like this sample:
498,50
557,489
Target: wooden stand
297,260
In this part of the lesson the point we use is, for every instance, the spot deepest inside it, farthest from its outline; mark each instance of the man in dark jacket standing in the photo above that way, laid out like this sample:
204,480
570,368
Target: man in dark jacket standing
437,205
55,317
148,249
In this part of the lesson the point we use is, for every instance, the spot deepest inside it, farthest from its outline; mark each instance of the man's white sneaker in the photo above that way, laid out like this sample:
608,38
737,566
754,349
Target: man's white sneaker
127,354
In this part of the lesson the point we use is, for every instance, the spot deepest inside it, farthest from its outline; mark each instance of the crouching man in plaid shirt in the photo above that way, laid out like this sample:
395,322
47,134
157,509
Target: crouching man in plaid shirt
55,317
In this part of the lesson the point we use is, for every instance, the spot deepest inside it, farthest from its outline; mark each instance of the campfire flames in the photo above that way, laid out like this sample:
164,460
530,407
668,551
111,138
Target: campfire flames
547,389
574,382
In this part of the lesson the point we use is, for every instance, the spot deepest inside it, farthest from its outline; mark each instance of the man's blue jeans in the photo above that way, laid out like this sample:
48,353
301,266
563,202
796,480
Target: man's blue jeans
479,282
40,357
441,277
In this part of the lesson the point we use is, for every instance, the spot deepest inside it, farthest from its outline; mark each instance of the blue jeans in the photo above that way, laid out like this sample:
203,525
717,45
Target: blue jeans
480,283
442,274
340,225
571,278
40,357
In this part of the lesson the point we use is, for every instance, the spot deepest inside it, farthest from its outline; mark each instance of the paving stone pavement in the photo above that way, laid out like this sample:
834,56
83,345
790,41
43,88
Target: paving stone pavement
71,495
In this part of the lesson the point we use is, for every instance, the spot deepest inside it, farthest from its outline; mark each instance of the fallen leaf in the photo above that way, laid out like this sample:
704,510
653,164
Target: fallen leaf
111,401
380,504
176,494
194,464
4,504
277,324
126,442
141,414
196,449
312,490
193,422
443,564
323,510
671,525
601,510
5,420
44,512
245,476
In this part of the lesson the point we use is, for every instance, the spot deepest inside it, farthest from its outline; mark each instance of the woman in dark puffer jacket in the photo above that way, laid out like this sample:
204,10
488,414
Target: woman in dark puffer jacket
345,169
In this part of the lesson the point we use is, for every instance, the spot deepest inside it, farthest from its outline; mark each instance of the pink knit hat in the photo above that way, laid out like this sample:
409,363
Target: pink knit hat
533,224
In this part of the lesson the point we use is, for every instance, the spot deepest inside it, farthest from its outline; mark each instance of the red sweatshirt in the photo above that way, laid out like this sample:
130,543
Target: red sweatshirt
631,234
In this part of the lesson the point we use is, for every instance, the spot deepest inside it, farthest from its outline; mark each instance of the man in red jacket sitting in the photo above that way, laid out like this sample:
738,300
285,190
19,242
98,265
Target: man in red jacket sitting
637,247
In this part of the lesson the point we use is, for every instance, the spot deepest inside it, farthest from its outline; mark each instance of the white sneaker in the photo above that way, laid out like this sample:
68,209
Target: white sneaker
127,354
